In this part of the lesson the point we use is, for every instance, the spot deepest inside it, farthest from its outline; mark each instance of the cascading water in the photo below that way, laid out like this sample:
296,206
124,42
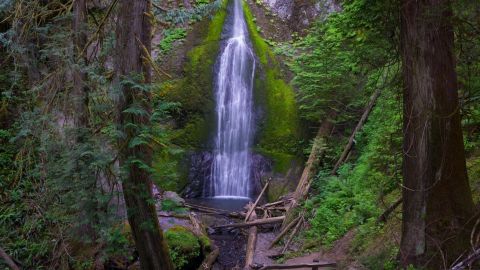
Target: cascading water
231,169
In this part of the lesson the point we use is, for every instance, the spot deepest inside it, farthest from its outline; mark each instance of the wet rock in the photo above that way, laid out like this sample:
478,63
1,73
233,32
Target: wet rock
173,196
199,174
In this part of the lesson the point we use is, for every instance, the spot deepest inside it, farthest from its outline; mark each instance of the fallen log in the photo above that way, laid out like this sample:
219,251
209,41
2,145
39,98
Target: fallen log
275,203
383,217
318,149
284,232
204,208
468,261
252,241
294,232
210,259
348,147
310,170
296,266
9,261
210,210
253,223
252,209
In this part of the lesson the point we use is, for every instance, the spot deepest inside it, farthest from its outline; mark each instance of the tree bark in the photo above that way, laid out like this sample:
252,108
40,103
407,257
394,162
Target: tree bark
437,201
80,89
133,44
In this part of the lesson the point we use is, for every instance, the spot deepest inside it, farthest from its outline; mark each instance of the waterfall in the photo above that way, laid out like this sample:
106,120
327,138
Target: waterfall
231,169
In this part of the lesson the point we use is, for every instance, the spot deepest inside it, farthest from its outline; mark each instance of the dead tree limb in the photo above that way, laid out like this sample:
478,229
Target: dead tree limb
252,240
210,259
310,170
294,232
468,261
318,148
275,203
210,210
252,209
284,232
254,223
359,126
383,217
9,261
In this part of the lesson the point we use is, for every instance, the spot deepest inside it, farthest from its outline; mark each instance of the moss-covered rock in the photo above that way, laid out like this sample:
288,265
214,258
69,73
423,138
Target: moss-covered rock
184,247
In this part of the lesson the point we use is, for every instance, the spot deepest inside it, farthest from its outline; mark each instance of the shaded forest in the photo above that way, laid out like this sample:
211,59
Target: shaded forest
239,134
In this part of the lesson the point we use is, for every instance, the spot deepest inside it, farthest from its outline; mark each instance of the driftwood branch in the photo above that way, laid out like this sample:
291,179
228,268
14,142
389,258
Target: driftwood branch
9,261
252,209
284,232
359,126
210,259
252,240
210,210
267,205
294,232
254,223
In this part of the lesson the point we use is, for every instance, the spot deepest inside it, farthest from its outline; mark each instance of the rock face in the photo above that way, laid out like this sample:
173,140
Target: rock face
301,13
200,174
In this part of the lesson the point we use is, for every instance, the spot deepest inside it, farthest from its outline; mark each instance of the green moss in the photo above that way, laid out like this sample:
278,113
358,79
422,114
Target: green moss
261,47
276,191
183,245
205,242
170,171
194,91
280,131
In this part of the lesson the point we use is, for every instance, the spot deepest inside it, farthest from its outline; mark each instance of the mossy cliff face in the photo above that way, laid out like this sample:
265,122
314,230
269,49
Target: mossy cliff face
279,130
192,90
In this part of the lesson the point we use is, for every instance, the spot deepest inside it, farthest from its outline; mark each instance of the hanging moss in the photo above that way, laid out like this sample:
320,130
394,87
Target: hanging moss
280,129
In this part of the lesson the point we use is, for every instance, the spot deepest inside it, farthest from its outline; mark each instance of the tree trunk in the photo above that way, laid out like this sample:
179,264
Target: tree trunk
80,90
437,201
133,43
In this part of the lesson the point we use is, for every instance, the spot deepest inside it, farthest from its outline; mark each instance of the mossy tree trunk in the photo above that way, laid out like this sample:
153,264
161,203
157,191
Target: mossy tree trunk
133,46
437,201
